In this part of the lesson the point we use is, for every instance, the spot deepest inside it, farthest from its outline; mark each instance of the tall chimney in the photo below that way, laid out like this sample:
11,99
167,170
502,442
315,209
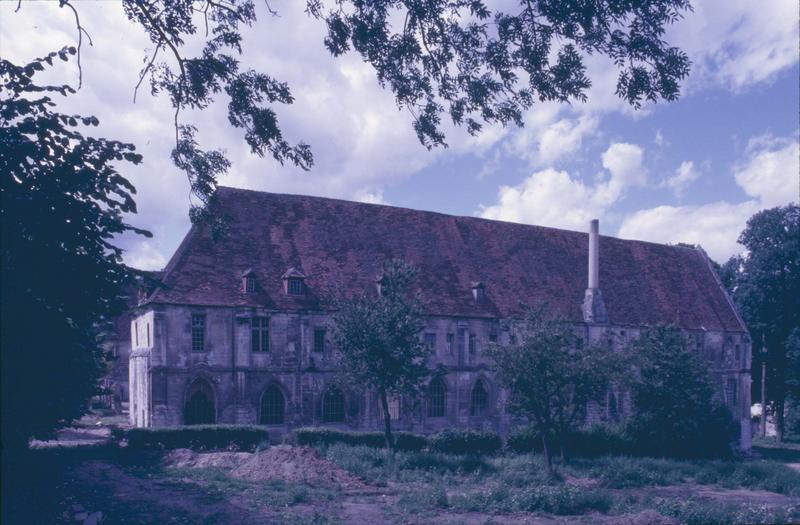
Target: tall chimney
594,254
594,310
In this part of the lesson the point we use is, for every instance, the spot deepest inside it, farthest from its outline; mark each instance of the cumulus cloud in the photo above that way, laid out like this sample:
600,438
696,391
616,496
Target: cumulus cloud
714,226
684,176
737,43
554,198
548,198
144,256
770,174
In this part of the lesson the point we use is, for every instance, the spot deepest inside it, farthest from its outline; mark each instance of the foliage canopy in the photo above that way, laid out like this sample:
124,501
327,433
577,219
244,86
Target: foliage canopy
62,206
377,339
765,285
458,58
674,412
551,374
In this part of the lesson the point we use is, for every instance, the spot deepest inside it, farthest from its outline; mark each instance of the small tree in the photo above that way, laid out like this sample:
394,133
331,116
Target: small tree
551,376
377,337
674,410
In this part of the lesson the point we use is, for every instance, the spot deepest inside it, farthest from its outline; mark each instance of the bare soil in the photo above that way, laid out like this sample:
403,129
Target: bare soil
295,465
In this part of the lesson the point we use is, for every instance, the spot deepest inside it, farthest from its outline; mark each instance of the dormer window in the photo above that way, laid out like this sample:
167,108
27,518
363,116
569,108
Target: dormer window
478,291
295,286
294,282
248,281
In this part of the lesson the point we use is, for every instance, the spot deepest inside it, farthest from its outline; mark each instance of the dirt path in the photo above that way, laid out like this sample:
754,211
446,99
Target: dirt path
126,498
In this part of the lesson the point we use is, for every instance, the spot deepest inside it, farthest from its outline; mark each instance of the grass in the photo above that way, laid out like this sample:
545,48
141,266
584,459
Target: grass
433,483
626,472
701,512
273,493
431,486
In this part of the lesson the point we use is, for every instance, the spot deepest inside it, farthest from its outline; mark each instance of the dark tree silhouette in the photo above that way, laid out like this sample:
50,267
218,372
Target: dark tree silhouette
674,411
765,284
62,206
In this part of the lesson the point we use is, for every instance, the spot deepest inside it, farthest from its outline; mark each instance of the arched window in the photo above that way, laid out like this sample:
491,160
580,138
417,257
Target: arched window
437,397
199,408
333,406
613,407
272,406
478,399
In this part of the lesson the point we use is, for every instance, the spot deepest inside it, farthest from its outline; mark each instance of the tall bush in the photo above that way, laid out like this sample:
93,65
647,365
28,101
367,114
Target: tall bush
675,414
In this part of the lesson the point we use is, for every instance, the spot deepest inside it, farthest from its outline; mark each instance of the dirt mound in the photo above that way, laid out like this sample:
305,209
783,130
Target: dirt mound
185,458
294,464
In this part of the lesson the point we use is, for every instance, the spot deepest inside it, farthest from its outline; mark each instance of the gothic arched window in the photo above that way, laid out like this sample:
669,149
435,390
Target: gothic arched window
273,406
437,398
478,399
333,406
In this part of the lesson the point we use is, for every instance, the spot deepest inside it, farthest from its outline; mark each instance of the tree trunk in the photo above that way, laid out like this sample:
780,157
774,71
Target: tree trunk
780,419
387,421
763,399
547,459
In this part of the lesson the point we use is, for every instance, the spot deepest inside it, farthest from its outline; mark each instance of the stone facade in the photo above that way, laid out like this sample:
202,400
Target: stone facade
163,372
180,371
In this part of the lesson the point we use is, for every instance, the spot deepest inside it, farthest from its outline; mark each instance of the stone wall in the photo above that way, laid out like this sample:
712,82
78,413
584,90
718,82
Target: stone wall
163,370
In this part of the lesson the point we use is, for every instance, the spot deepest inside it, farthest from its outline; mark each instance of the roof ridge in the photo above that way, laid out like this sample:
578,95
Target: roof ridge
300,196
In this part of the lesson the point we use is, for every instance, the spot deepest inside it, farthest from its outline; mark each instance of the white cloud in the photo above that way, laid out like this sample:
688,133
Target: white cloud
546,198
714,226
564,137
144,256
737,43
625,163
684,176
554,198
375,197
771,172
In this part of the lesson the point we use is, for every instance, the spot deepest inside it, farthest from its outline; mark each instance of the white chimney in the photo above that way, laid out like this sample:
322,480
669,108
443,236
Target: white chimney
594,254
594,310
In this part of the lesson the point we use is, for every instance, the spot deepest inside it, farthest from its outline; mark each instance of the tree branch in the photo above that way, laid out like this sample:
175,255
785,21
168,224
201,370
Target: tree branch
145,70
81,32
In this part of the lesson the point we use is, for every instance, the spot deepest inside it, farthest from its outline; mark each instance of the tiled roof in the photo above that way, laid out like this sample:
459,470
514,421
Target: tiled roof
340,246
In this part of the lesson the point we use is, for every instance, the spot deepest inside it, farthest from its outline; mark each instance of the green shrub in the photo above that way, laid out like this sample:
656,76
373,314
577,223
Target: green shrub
556,499
700,512
626,472
524,439
312,436
452,441
198,437
594,441
410,442
598,440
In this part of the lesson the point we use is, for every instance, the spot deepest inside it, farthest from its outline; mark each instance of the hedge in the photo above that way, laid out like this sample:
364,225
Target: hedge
312,436
453,441
597,440
198,437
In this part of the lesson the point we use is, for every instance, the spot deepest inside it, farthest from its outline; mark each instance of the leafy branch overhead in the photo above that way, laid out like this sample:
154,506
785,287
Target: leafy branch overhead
457,58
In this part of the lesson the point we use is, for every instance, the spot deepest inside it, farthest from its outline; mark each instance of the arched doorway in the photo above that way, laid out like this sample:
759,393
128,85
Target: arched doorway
273,406
199,408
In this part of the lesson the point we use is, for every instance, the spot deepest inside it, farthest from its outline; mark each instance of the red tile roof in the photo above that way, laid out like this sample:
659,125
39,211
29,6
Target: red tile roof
340,247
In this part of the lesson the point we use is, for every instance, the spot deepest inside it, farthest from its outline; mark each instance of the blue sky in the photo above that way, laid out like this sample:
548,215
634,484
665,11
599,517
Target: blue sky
688,171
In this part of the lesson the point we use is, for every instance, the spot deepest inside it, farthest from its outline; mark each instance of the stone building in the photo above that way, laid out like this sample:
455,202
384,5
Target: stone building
238,331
